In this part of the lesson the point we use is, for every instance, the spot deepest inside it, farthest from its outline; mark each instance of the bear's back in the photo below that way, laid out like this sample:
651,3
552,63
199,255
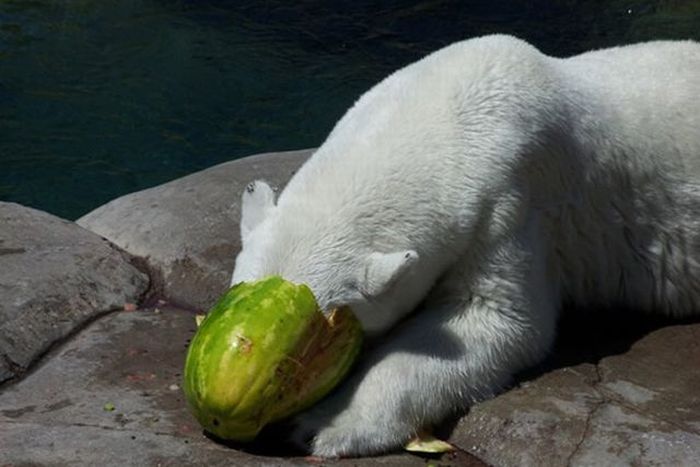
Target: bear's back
647,94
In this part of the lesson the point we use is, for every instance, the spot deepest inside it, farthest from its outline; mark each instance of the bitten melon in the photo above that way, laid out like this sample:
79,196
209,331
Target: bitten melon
264,352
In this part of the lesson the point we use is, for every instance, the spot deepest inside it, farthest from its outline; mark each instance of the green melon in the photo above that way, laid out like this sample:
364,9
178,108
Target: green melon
264,352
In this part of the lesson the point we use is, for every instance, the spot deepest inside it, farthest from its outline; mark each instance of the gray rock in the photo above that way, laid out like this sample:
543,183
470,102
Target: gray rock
54,276
188,229
637,407
59,415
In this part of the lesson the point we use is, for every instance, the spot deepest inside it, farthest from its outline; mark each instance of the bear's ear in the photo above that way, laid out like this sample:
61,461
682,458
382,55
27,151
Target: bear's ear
257,203
384,269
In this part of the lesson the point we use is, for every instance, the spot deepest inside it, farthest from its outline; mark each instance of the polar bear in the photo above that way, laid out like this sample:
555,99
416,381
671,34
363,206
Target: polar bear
478,190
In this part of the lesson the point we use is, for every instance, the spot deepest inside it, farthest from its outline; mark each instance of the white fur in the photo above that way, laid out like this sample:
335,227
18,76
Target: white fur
491,183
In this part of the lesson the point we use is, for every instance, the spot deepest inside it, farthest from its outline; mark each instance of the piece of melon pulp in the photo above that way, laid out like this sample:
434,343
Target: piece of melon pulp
264,352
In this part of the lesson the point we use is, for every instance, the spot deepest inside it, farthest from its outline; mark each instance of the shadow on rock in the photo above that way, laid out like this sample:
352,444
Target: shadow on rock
591,335
272,441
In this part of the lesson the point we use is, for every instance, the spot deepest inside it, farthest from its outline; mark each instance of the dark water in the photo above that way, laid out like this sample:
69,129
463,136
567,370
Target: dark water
100,98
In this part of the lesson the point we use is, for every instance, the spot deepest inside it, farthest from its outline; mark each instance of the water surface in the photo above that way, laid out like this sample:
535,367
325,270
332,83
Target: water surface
100,98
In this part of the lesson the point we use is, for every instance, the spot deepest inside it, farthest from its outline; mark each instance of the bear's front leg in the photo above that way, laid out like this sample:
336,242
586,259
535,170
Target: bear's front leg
461,348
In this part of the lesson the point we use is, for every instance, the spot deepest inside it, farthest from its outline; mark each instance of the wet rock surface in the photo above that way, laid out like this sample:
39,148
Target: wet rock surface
618,389
54,277
187,229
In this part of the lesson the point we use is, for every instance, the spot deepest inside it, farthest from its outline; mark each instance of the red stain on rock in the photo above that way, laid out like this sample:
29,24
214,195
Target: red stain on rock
138,377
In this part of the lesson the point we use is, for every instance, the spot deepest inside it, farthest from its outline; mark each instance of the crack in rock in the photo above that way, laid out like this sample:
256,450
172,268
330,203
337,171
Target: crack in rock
14,367
606,397
600,403
586,430
613,398
20,372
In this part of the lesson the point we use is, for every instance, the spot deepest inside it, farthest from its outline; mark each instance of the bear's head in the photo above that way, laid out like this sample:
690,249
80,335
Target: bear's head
339,266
